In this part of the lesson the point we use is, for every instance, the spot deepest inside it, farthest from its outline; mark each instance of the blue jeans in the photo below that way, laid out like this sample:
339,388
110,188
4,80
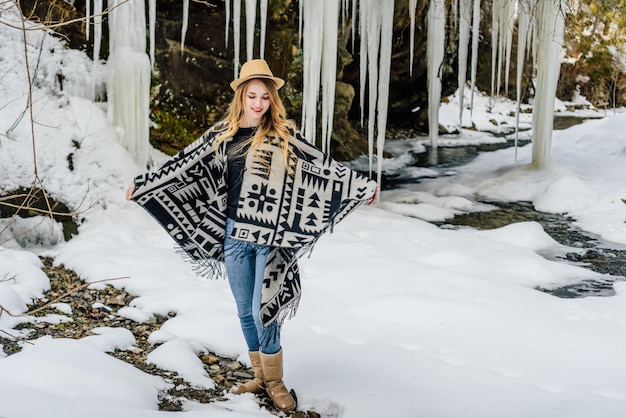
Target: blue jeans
245,265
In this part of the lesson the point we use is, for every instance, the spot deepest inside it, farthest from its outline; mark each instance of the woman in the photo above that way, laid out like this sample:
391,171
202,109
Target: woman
251,193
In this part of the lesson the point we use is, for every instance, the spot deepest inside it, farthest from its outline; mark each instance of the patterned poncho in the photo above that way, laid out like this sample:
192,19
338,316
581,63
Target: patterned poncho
285,207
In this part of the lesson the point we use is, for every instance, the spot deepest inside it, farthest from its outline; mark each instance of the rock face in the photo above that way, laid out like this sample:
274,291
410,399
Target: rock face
191,87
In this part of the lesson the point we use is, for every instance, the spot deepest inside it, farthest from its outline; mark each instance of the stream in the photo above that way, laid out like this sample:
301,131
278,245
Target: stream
607,259
592,253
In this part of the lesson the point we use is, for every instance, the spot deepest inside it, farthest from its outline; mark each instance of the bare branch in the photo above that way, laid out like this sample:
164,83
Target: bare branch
69,292
32,209
11,335
206,3
47,24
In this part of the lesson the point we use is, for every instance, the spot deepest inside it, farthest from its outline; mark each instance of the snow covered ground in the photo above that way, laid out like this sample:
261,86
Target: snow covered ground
399,318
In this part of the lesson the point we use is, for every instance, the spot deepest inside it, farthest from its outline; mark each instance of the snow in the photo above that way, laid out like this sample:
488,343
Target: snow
69,378
409,320
182,355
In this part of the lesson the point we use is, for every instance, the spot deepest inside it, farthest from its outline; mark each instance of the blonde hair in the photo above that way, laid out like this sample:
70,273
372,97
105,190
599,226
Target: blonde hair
274,122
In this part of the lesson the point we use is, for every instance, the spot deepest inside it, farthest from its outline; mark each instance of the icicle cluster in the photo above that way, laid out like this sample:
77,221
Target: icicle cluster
376,35
540,31
128,75
319,51
319,21
251,9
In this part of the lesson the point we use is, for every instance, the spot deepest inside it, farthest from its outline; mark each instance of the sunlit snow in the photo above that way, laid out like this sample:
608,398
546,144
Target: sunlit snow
399,318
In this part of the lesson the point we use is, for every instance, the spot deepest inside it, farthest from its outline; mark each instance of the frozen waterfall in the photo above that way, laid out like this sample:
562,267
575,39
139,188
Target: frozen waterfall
128,66
128,76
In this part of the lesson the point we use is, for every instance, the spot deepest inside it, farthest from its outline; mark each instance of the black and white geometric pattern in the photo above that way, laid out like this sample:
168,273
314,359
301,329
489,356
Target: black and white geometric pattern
286,206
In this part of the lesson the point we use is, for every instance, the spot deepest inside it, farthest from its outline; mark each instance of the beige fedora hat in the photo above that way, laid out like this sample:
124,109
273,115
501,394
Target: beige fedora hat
256,69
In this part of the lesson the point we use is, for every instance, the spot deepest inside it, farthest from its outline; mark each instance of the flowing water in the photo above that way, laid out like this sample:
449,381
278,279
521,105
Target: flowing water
590,252
607,259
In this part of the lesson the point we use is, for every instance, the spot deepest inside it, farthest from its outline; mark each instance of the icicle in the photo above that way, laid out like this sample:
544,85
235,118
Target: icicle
345,9
500,49
354,9
475,39
386,38
329,69
436,35
522,31
87,18
509,26
152,26
263,28
465,16
97,31
534,45
128,76
97,43
183,32
250,25
236,34
227,25
412,7
494,44
300,20
374,23
312,35
549,38
363,22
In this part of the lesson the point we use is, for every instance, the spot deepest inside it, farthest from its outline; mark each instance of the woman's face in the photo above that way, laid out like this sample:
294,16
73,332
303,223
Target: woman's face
256,103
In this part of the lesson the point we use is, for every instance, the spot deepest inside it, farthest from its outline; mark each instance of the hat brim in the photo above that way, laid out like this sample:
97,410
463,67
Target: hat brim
279,82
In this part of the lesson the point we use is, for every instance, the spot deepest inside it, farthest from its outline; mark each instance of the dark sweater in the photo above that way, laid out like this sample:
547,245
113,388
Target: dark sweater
236,166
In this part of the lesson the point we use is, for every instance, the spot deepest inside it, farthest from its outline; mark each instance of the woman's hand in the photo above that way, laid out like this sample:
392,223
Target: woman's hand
374,198
130,191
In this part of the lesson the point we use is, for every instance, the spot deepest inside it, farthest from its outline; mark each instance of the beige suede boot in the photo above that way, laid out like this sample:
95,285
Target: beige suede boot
255,385
273,375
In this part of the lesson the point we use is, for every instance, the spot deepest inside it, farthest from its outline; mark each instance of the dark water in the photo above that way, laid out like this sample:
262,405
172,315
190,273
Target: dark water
564,122
441,158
